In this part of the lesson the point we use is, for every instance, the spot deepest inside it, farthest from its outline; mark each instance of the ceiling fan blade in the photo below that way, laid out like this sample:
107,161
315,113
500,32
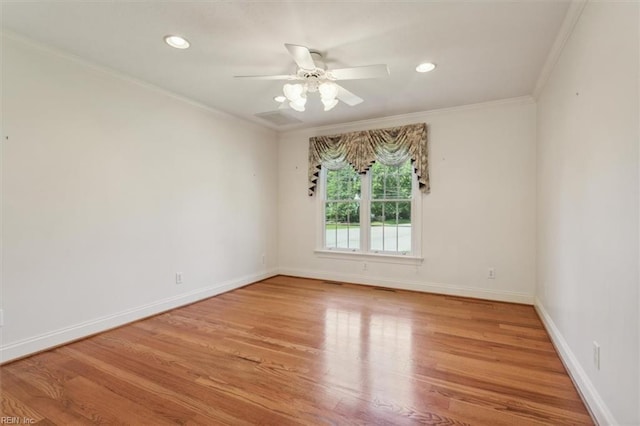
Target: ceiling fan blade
347,97
267,77
355,73
301,56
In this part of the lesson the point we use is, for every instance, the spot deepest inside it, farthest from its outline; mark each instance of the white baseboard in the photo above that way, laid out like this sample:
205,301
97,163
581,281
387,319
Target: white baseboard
590,395
427,287
58,337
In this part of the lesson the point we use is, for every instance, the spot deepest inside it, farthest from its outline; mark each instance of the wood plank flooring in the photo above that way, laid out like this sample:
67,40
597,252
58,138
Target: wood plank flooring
297,351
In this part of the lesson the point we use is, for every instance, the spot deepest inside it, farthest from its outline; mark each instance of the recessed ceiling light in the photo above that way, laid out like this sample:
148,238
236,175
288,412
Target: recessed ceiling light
279,98
176,41
426,67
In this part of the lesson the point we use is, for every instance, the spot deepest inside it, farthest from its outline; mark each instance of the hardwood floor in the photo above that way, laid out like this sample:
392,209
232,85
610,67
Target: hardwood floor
296,351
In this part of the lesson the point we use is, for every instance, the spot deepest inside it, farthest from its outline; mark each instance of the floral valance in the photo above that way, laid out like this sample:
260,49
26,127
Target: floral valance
391,146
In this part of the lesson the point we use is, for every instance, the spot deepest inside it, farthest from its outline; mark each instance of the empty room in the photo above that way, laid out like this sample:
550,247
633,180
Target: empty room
320,212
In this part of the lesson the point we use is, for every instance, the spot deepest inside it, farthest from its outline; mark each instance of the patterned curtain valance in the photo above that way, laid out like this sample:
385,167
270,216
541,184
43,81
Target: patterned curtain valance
391,146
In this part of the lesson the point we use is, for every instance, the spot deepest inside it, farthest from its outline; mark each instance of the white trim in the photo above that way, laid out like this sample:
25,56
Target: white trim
399,120
259,126
566,29
372,257
61,336
425,287
587,390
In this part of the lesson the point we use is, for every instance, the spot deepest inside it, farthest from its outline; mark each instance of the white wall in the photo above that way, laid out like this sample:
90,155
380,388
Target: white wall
480,212
588,198
109,188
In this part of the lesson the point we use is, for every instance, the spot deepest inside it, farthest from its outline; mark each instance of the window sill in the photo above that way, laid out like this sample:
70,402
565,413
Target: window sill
372,257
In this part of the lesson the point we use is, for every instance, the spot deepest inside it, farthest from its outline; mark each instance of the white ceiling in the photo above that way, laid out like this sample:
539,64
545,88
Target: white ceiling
485,50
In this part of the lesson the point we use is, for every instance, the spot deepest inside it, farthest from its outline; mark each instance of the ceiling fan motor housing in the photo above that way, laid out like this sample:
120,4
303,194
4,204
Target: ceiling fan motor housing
313,78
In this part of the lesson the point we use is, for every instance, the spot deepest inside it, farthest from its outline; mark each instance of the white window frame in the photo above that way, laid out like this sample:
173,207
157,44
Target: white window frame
365,253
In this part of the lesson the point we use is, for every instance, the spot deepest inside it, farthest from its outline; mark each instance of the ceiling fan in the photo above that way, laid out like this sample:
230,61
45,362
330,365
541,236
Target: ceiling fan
313,76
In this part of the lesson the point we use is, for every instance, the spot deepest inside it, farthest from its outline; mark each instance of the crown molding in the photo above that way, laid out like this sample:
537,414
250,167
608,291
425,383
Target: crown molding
566,29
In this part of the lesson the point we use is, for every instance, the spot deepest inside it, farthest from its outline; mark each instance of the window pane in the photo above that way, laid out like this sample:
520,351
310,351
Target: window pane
391,182
377,180
391,226
342,224
343,184
391,219
403,222
391,187
405,177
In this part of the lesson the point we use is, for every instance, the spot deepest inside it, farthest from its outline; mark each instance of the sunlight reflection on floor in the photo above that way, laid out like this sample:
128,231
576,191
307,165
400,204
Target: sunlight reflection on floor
369,353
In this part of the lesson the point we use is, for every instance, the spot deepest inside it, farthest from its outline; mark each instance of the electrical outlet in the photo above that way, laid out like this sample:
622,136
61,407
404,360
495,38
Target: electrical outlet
178,277
596,355
365,266
491,273
1,317
263,258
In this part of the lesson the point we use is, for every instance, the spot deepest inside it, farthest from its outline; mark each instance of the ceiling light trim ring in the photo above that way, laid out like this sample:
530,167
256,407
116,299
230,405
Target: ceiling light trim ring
176,41
425,67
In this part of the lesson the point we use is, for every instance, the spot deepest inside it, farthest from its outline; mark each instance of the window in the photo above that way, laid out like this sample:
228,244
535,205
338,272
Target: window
390,229
370,184
372,213
342,209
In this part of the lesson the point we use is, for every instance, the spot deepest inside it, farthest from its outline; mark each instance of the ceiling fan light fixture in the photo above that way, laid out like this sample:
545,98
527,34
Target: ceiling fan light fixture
425,67
329,104
294,92
328,91
176,41
298,105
